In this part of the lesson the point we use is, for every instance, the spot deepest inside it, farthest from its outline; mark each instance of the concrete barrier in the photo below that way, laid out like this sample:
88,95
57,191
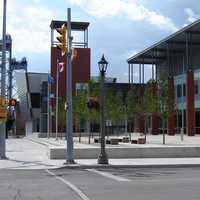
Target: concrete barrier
136,152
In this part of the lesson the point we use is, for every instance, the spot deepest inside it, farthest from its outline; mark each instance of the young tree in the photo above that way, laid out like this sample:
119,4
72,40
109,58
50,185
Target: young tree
93,115
80,109
120,107
150,101
132,104
61,114
163,101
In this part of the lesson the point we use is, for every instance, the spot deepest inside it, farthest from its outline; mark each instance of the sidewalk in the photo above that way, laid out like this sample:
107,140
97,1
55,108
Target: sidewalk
26,154
174,148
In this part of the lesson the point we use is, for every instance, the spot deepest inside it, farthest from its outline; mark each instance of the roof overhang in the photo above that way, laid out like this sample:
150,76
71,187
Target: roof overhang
175,43
77,26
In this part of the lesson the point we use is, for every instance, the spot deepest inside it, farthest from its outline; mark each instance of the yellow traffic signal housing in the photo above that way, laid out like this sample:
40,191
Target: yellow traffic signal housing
62,39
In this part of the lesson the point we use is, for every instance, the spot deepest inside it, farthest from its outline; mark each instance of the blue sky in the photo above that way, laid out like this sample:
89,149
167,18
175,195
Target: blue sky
118,28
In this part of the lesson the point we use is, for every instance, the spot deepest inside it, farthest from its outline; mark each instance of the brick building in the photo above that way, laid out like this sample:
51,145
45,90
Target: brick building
178,57
80,60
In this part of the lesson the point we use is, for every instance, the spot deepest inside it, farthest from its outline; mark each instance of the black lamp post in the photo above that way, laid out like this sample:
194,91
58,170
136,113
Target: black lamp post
102,159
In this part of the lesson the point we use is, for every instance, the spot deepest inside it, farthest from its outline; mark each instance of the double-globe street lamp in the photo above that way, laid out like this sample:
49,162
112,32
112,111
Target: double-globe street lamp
102,159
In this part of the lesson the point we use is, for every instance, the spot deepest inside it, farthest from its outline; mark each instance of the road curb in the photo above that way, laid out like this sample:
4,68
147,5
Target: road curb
77,166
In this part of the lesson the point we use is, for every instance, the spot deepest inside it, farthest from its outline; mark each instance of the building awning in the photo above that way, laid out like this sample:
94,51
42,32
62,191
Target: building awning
175,43
78,26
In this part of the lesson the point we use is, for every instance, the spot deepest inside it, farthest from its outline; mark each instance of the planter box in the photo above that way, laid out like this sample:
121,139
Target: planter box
96,140
125,139
141,141
107,141
134,141
114,141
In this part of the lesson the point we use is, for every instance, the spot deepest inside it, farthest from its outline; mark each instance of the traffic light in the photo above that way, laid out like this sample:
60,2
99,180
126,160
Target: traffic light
92,103
13,102
62,39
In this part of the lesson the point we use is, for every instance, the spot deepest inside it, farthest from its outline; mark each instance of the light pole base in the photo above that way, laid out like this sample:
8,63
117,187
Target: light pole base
103,159
70,162
3,158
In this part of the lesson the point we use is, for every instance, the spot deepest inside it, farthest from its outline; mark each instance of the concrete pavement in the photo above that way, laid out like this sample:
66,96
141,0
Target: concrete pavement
174,148
26,154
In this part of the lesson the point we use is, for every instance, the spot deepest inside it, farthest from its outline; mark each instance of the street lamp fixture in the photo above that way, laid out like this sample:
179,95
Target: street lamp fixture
102,159
103,66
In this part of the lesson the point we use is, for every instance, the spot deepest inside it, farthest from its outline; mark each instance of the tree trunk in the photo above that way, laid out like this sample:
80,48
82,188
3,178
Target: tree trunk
79,139
88,131
163,125
145,129
126,126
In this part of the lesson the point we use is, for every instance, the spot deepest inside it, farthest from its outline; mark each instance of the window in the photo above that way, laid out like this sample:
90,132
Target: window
35,100
184,90
179,88
196,86
178,91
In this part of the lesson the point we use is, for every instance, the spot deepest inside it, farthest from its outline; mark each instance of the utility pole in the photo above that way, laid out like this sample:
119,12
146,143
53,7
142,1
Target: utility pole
69,117
57,82
3,86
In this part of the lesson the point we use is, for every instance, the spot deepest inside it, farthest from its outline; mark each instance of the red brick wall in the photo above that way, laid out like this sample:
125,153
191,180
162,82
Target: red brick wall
80,69
190,110
154,116
141,120
154,124
170,118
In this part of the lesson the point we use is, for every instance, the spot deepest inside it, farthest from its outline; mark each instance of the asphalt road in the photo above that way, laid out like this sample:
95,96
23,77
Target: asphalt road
101,184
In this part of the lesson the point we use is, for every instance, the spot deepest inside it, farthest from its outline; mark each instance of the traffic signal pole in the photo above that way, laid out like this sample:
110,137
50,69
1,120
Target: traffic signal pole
69,117
3,86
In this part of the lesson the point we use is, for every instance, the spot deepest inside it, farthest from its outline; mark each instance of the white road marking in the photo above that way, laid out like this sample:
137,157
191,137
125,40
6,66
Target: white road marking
70,185
108,175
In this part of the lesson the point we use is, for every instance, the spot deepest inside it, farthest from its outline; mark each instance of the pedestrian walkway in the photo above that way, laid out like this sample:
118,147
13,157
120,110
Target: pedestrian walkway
173,148
26,154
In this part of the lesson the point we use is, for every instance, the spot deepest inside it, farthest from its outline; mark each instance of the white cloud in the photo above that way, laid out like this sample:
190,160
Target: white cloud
36,1
191,16
126,8
29,27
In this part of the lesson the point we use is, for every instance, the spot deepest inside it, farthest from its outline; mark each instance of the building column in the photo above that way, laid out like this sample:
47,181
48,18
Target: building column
141,121
154,116
154,124
190,108
170,117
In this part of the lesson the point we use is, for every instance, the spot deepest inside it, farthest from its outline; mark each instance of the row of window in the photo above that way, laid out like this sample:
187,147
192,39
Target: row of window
181,89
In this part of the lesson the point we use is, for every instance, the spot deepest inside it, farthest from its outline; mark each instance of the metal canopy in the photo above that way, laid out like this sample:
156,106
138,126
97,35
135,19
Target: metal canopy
175,43
77,26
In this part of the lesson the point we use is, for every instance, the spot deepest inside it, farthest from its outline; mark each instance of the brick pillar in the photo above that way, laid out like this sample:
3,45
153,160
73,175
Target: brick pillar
154,116
154,124
141,121
170,117
190,109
